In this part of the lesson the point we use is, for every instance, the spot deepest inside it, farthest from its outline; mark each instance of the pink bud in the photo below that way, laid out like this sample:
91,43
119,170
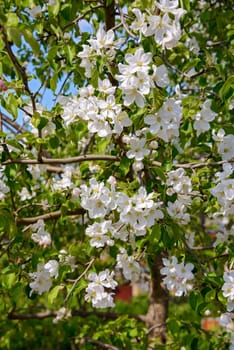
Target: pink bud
3,86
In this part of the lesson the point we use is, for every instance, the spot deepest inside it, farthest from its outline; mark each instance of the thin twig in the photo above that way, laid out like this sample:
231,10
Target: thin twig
155,326
99,344
78,279
62,86
121,14
76,20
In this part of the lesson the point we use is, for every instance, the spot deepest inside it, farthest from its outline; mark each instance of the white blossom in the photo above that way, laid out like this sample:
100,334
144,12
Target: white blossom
40,235
178,276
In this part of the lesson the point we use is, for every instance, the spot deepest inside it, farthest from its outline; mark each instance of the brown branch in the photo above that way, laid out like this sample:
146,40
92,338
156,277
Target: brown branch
48,216
109,12
54,169
12,123
9,128
194,165
74,313
20,69
78,159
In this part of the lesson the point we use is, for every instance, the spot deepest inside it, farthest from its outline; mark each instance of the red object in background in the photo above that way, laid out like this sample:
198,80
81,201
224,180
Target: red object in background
124,292
210,324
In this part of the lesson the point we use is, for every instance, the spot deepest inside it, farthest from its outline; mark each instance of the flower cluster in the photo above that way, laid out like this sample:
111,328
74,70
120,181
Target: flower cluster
178,182
100,233
165,26
65,181
203,118
228,289
137,212
130,267
103,115
62,314
224,190
40,235
134,78
225,235
97,290
225,144
178,276
97,199
137,149
67,259
226,320
165,122
42,278
103,45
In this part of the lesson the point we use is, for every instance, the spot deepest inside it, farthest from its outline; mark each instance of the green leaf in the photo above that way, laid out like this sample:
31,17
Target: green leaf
31,41
185,4
53,293
156,232
210,296
15,144
229,84
38,121
12,105
168,236
160,173
194,344
8,281
109,2
94,77
124,166
55,8
54,81
14,35
82,285
70,53
54,141
195,299
12,20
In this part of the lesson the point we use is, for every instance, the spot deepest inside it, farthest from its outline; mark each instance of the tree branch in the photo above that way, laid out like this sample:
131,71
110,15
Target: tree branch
20,69
194,165
109,12
12,123
74,313
78,159
48,216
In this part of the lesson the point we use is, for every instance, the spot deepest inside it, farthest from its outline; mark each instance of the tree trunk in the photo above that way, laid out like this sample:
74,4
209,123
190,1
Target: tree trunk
158,307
